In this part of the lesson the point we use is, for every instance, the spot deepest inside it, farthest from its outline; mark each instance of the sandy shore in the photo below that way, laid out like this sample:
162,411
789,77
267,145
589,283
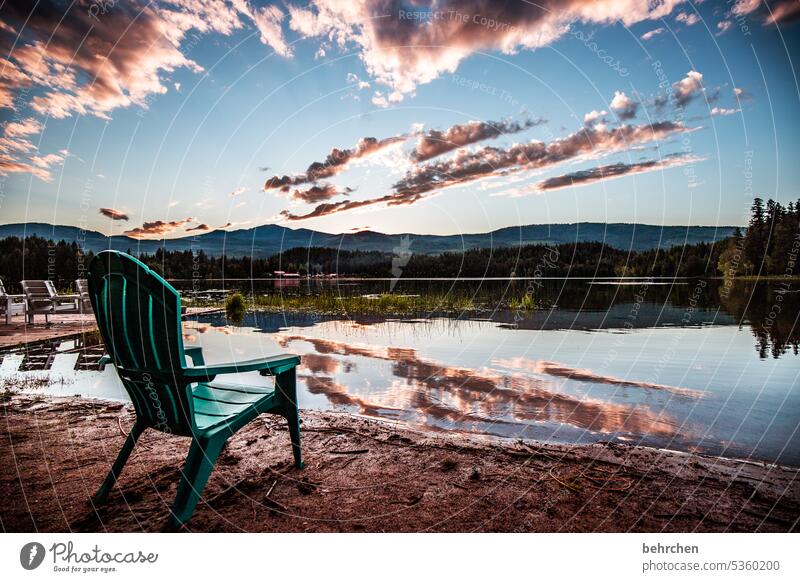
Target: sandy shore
369,475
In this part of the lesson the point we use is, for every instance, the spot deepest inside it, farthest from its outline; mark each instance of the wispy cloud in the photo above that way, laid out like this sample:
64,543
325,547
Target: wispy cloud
650,34
613,171
490,162
723,111
19,155
396,199
588,141
12,165
27,126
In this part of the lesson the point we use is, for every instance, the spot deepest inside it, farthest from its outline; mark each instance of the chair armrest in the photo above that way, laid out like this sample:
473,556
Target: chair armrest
104,360
277,363
196,355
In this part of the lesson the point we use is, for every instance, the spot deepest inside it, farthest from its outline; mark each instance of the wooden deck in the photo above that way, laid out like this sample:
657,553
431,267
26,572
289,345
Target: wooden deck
64,325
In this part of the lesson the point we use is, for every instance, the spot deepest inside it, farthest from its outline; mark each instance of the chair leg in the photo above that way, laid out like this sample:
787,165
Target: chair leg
198,467
286,390
122,458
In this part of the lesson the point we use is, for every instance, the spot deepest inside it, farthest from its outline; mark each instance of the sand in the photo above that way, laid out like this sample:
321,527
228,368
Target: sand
368,475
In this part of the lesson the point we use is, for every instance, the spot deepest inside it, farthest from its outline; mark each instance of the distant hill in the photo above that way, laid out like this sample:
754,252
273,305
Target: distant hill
267,240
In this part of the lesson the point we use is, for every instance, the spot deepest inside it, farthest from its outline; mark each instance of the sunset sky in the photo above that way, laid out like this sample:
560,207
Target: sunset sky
172,118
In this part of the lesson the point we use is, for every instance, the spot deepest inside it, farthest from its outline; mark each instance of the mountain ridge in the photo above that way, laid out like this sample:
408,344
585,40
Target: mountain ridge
269,239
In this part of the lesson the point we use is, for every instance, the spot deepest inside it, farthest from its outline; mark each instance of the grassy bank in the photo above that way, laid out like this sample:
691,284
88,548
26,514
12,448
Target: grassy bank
377,304
383,304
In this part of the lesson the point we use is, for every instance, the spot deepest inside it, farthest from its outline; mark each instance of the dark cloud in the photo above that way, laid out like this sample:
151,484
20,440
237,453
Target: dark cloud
336,161
316,194
435,143
200,227
611,171
659,102
114,214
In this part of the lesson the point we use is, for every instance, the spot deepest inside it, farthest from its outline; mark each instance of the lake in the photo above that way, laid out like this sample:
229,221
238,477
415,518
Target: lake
687,365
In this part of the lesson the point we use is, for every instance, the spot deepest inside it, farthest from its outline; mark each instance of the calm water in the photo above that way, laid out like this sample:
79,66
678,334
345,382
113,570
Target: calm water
686,365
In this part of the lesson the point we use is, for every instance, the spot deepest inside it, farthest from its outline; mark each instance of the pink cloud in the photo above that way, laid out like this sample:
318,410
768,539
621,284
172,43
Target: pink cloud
403,46
422,182
435,143
11,165
124,52
27,126
157,227
688,18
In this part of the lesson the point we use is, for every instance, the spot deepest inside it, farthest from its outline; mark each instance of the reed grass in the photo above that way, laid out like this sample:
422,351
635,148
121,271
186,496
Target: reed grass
383,304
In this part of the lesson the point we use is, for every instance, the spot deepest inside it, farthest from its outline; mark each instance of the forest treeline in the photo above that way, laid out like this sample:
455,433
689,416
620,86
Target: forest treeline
768,246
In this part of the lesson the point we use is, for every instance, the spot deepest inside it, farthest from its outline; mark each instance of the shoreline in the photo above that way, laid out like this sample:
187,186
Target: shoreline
22,334
365,474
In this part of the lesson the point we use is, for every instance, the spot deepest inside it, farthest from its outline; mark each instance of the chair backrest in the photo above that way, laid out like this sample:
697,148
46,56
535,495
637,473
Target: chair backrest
39,294
38,289
139,316
2,289
82,286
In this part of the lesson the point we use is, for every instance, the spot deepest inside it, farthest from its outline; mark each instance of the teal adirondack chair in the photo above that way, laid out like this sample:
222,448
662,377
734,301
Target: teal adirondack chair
139,316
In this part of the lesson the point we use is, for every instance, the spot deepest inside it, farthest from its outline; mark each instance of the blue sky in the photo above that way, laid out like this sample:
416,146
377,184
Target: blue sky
178,134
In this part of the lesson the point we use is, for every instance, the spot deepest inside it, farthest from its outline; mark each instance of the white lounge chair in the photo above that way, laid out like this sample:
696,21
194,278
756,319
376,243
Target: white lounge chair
82,289
11,305
41,297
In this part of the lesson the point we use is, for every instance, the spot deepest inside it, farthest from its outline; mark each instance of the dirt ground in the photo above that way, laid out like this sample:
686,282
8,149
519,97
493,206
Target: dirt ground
368,475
